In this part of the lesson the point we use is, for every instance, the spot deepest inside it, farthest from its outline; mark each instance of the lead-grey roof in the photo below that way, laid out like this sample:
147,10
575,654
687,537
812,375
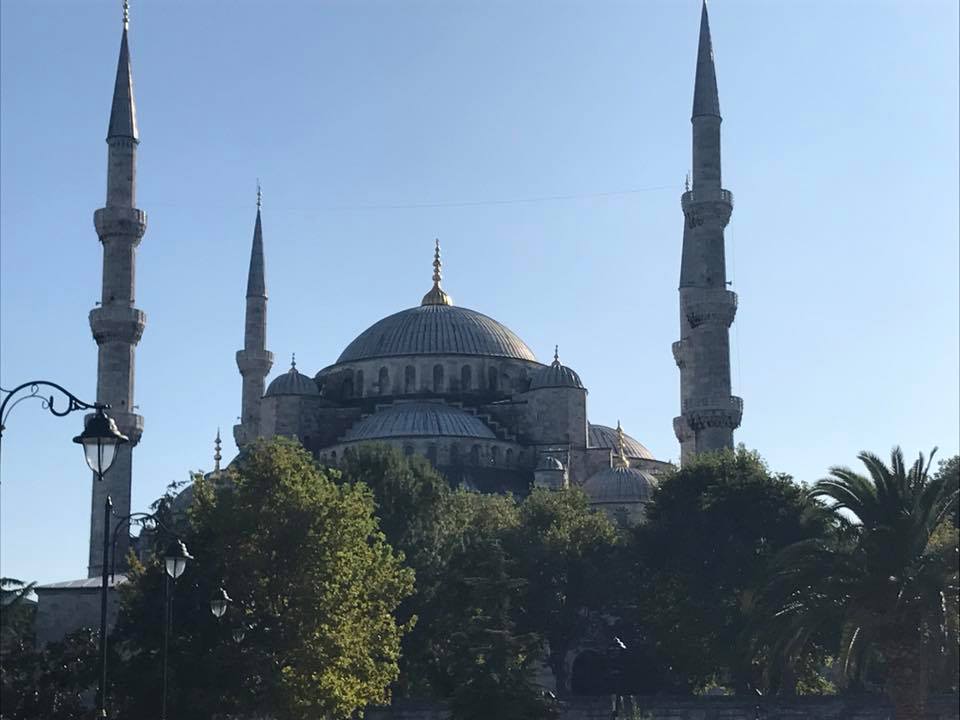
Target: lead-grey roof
555,375
437,330
292,382
601,436
419,419
619,485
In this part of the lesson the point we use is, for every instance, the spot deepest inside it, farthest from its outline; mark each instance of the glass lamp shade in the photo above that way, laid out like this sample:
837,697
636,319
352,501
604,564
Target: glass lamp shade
100,439
175,559
239,634
219,602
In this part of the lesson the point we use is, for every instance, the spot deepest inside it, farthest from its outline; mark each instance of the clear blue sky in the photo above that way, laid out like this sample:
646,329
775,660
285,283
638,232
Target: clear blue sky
377,126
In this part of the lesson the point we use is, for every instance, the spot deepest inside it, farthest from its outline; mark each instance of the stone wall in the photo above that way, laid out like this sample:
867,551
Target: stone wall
854,707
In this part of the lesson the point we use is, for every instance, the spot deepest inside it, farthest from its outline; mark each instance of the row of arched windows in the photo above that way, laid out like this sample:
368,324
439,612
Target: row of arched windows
476,455
353,385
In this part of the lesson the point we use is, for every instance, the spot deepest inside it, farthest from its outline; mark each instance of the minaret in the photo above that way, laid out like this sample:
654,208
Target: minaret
117,325
709,413
254,361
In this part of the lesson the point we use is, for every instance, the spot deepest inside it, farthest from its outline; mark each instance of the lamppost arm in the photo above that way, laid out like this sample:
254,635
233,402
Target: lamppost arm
141,518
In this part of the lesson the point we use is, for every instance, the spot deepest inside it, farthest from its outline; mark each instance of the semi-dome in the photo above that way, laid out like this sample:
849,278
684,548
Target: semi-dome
619,485
419,419
602,436
556,374
437,329
549,462
292,382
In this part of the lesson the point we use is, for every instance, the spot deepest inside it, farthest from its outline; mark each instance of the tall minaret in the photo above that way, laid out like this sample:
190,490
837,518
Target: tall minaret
117,325
254,360
709,413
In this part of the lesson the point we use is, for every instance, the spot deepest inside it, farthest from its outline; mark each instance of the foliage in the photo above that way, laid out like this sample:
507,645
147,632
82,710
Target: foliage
314,587
566,554
16,612
886,575
50,684
713,529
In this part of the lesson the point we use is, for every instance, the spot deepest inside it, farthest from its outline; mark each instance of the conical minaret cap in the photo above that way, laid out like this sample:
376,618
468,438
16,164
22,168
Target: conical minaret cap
256,285
706,101
123,112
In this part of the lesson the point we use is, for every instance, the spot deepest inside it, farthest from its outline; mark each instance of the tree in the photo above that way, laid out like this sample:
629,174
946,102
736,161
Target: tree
887,576
16,612
713,529
314,586
565,552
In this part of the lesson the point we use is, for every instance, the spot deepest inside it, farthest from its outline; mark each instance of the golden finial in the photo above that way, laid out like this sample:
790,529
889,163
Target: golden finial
126,14
620,459
216,455
259,195
437,296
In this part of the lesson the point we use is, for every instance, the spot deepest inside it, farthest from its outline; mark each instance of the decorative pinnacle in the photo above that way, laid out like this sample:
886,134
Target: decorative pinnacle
126,14
216,454
556,354
259,195
293,362
620,459
686,183
437,296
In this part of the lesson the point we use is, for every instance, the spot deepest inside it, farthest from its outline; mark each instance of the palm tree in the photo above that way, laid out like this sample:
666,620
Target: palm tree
885,575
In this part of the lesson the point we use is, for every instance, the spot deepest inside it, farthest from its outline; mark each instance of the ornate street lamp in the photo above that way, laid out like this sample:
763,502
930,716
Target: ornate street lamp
175,562
219,603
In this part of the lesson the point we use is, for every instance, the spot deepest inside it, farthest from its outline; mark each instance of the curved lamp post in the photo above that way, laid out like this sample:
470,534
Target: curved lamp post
100,440
175,562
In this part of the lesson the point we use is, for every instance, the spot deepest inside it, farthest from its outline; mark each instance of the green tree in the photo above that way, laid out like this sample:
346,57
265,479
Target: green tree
566,553
887,576
713,529
315,588
16,612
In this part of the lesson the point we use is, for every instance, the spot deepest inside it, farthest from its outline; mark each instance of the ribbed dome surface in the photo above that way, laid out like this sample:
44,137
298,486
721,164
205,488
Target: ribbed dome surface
619,485
413,419
555,375
436,330
292,382
601,436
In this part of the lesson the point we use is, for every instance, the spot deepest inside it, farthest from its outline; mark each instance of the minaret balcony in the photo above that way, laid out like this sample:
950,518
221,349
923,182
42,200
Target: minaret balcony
117,323
678,354
255,362
713,411
705,195
708,306
117,221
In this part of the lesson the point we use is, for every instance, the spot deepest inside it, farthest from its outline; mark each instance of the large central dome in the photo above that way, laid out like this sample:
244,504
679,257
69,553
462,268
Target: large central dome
437,330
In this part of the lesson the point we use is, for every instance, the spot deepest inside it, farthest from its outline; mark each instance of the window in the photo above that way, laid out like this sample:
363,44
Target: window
358,384
409,379
475,455
438,378
492,379
408,450
432,454
466,378
347,387
383,381
495,455
509,456
454,453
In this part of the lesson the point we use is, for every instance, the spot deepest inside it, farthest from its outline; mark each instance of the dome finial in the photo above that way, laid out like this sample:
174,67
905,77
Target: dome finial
216,454
620,459
556,354
126,14
437,296
293,361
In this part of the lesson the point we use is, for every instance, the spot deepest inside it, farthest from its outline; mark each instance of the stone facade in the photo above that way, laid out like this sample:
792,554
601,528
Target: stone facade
68,606
841,707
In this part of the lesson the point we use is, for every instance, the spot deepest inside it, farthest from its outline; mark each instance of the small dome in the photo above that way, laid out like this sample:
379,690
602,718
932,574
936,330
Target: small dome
556,374
292,382
601,436
619,485
549,462
419,419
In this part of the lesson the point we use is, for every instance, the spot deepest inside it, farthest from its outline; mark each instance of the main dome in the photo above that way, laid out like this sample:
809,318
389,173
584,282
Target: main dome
437,330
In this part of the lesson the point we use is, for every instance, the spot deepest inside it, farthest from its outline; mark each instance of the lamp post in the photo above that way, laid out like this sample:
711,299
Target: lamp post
219,603
175,562
100,440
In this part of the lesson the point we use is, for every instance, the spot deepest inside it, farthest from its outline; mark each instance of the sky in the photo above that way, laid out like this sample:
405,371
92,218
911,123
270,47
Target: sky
545,144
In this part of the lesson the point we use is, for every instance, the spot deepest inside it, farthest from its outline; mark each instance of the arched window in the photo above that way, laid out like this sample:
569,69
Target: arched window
409,379
408,450
432,454
475,455
495,455
454,453
466,378
347,387
492,379
509,456
383,381
358,383
438,378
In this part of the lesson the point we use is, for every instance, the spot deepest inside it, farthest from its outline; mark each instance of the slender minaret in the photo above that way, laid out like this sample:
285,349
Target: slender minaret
709,413
254,360
117,325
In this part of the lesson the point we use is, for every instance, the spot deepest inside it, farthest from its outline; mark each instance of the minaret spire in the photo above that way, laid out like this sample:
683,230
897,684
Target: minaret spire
709,413
117,324
254,361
